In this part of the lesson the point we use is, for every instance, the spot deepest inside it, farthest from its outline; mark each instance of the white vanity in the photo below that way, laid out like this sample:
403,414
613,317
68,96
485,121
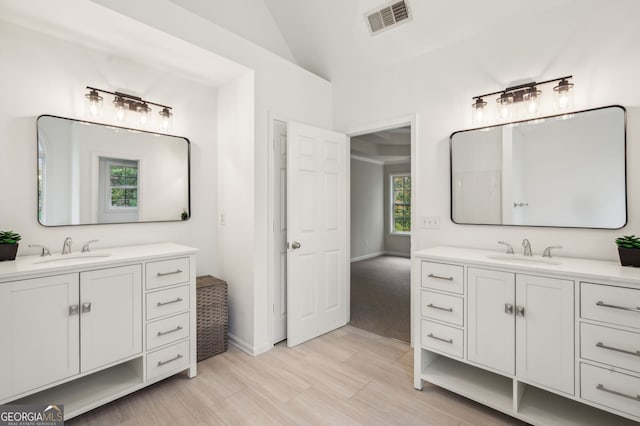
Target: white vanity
85,329
551,341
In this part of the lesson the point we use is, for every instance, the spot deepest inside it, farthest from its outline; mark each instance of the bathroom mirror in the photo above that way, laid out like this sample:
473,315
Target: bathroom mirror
562,171
91,173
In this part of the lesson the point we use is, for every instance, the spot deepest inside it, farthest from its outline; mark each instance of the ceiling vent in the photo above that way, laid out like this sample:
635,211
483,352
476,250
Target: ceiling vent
389,16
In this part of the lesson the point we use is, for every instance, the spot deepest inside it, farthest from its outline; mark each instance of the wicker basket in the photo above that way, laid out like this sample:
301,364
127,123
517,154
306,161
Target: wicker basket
212,316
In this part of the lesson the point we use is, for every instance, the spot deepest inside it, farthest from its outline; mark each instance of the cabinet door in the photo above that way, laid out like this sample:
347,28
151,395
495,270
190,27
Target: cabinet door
111,315
491,325
39,332
545,331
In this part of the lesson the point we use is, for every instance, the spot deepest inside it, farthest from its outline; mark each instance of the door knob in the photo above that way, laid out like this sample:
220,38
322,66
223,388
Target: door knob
296,245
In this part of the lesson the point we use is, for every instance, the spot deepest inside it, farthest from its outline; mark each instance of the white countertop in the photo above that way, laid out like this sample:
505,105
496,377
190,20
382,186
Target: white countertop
589,269
28,265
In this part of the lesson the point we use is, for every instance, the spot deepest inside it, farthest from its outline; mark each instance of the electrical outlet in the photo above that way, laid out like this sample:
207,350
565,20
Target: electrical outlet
431,222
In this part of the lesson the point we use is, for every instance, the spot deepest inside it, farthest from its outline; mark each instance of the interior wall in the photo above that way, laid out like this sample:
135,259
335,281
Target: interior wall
399,245
45,75
366,210
593,46
282,89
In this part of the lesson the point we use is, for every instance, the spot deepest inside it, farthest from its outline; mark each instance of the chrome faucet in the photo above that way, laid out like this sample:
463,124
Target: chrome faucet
547,251
66,247
86,247
527,247
509,247
45,251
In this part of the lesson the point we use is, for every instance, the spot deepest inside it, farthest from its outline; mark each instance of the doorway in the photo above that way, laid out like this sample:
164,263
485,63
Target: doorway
381,232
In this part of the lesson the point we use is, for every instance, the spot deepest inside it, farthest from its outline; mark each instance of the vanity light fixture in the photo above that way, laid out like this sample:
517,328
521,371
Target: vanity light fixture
523,101
126,107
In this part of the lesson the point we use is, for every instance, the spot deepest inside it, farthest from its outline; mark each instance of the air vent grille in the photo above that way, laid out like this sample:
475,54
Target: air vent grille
388,16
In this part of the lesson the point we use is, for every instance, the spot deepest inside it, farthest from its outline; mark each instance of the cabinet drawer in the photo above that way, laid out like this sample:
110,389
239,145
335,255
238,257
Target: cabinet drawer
167,330
443,307
611,346
442,276
615,305
167,302
442,338
168,360
613,390
167,272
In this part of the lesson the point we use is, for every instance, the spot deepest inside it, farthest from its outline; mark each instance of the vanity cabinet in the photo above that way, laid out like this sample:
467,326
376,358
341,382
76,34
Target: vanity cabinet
551,342
522,325
85,334
36,322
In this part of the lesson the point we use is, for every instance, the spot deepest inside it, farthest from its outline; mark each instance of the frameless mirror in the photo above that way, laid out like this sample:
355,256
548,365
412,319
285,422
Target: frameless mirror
563,171
90,173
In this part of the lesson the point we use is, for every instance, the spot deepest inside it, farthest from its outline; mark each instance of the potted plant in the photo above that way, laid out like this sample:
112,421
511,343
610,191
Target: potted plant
629,250
8,245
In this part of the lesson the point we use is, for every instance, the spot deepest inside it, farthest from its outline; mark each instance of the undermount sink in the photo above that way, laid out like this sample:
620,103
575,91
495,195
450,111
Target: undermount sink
68,257
523,259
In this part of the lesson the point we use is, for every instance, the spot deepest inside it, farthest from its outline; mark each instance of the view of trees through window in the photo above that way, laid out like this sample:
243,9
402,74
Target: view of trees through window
401,203
124,185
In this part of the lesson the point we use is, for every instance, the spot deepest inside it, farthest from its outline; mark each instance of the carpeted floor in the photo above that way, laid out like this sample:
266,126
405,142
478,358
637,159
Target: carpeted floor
381,296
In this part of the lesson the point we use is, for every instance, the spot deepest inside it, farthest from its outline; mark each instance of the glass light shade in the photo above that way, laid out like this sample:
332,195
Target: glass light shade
166,118
479,112
93,104
532,99
121,108
505,103
563,96
144,114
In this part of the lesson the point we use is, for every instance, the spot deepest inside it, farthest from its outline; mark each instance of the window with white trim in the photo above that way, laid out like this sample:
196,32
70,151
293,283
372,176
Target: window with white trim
400,192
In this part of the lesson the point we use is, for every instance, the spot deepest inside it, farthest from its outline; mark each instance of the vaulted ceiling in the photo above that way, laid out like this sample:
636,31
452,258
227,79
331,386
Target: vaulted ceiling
328,37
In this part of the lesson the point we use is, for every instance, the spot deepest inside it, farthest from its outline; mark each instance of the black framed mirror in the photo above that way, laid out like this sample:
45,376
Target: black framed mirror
559,171
91,173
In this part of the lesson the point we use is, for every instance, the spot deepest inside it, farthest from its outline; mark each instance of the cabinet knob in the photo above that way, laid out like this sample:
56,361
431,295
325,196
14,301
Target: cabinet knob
86,307
74,310
508,308
520,310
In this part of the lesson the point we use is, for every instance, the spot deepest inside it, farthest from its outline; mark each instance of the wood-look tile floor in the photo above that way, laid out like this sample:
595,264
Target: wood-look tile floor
346,377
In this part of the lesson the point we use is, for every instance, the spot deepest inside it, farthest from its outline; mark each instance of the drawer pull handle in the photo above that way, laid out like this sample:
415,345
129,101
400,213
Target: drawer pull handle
177,271
624,351
449,341
162,333
178,299
606,305
440,278
175,358
601,387
431,305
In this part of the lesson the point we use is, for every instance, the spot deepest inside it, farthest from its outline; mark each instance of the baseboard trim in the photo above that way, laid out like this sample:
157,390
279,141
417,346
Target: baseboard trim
397,253
367,256
241,344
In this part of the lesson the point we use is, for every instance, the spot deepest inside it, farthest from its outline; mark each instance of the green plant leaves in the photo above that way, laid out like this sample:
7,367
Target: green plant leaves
628,241
9,237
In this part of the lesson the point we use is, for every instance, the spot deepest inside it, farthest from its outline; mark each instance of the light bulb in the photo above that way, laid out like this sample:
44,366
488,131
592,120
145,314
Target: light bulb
121,108
93,103
504,105
532,100
478,110
166,118
563,96
144,114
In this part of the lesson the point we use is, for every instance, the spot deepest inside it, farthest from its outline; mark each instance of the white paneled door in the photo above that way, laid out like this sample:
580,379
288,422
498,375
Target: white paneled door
317,291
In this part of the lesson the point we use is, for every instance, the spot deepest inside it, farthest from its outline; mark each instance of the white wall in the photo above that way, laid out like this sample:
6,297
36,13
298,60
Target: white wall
367,206
45,75
281,88
394,244
594,45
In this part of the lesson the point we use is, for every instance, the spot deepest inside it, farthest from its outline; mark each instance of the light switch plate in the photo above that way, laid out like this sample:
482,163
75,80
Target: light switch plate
431,222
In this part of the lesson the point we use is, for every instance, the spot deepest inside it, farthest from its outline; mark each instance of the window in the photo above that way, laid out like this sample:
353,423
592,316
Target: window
400,203
123,182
